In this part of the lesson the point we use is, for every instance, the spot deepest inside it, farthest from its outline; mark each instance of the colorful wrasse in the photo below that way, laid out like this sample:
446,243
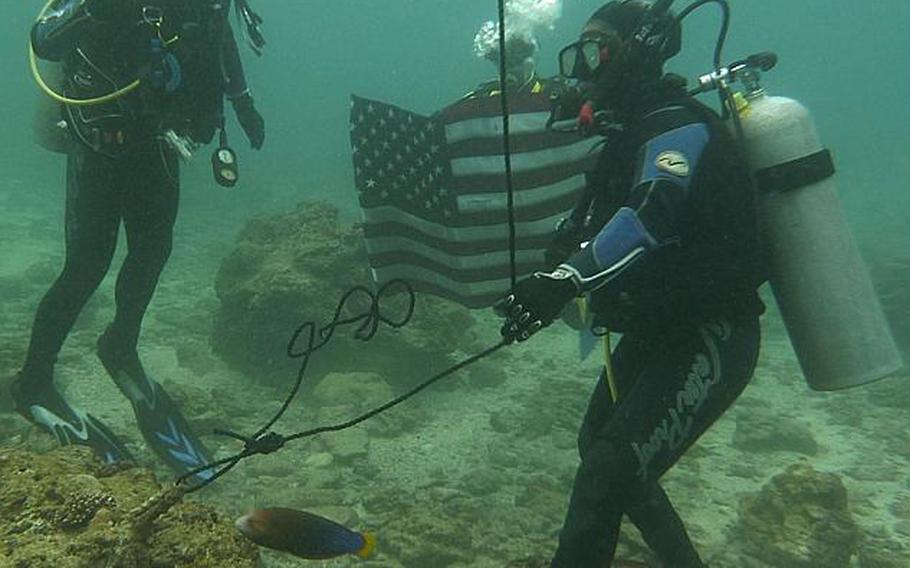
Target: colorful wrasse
303,534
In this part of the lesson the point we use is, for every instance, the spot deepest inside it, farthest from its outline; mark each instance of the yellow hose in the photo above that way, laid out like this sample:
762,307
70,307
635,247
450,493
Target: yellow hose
36,74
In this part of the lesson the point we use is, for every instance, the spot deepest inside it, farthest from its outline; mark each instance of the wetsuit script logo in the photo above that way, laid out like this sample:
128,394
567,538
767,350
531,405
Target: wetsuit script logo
704,373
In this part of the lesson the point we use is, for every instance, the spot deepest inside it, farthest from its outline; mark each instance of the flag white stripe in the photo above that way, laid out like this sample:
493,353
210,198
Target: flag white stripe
388,214
498,200
523,162
491,126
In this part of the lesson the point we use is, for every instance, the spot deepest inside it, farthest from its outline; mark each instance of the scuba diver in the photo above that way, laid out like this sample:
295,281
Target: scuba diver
664,245
144,83
521,72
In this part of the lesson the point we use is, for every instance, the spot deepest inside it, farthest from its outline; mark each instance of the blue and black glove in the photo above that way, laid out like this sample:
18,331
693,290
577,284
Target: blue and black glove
535,302
250,120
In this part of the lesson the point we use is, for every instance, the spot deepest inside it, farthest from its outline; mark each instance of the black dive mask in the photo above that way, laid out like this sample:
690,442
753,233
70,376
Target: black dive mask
584,59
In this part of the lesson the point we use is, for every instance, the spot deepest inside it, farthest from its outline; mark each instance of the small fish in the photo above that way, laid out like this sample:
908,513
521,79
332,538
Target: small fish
303,534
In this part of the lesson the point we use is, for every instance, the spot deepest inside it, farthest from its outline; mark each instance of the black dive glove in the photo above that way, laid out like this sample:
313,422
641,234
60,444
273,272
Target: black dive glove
535,302
250,120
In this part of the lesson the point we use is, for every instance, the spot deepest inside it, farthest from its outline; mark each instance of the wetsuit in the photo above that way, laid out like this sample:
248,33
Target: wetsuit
123,167
120,169
671,263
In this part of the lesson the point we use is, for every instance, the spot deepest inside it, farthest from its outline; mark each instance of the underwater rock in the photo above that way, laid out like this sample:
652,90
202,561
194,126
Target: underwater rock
349,445
195,356
882,552
799,519
66,509
761,431
291,268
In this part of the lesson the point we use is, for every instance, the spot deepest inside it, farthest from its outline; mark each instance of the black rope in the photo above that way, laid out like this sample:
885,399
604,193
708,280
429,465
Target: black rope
265,441
506,142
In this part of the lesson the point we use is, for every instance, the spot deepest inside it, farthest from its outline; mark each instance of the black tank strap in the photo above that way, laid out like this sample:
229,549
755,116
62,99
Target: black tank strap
796,173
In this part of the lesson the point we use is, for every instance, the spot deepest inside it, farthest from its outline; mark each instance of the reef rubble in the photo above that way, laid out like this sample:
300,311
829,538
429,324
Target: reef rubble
66,509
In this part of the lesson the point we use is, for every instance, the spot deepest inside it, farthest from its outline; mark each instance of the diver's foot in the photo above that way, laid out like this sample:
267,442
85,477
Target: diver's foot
48,409
163,426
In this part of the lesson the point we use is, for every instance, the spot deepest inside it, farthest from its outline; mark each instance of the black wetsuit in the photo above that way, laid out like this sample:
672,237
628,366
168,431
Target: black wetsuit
688,310
120,169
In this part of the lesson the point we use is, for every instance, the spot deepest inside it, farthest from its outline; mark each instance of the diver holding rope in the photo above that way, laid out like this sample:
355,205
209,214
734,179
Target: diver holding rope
664,246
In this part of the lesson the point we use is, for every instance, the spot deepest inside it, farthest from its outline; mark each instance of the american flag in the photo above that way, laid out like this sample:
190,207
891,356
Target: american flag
433,191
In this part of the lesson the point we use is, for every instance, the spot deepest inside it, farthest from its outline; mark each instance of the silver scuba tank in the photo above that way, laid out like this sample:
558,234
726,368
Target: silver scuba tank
823,289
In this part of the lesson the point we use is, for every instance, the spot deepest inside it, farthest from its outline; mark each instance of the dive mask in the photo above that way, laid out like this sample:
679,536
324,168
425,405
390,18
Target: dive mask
582,59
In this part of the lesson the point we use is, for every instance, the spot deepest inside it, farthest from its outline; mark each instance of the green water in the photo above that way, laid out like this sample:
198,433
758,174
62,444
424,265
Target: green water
453,482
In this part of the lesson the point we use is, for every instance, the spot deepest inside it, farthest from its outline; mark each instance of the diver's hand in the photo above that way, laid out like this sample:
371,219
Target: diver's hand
108,10
535,302
250,120
565,243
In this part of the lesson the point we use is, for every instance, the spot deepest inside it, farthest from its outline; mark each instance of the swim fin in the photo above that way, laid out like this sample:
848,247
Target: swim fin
47,408
163,426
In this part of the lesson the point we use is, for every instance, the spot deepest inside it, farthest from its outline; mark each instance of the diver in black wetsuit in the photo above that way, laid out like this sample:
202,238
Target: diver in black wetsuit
123,167
664,246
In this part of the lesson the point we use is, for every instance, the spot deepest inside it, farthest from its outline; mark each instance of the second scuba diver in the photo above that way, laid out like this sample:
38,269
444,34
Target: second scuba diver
123,167
664,245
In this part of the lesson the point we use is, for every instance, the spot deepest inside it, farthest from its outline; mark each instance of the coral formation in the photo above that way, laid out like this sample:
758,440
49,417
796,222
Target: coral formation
294,267
80,508
799,519
64,509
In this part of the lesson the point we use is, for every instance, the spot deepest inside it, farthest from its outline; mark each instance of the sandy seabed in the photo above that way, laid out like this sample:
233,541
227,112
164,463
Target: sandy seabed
482,473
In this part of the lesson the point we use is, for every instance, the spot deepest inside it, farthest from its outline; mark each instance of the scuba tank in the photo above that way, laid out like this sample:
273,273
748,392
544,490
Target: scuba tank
825,294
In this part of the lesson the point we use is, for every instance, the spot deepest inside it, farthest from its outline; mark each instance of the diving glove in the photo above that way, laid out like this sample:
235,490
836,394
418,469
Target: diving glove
163,426
535,302
250,120
48,409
